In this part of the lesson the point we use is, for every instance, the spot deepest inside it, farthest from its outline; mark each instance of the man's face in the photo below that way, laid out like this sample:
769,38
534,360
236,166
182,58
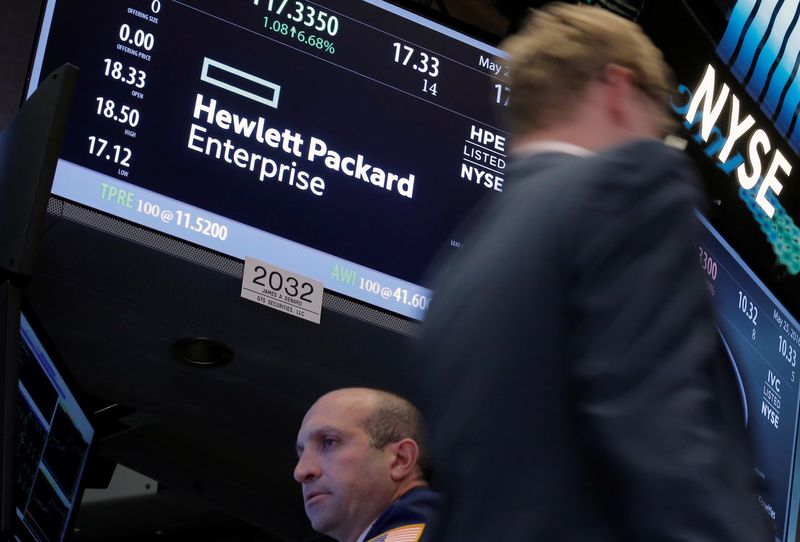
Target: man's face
346,481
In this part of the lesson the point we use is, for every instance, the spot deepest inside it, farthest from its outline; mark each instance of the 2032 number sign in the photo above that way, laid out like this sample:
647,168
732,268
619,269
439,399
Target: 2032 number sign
282,290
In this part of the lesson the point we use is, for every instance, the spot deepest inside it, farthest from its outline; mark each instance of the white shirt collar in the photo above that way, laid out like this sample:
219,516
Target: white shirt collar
539,147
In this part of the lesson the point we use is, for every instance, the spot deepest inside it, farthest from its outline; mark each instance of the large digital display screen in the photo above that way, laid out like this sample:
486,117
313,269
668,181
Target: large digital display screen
737,99
762,340
54,438
344,140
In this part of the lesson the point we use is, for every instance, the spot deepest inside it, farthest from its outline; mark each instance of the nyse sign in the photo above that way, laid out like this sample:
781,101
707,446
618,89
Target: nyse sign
704,106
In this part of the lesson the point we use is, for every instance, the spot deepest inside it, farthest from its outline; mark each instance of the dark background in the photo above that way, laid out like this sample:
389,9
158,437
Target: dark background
217,442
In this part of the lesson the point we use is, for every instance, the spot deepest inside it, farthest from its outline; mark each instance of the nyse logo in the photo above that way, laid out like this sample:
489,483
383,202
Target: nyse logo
704,107
771,415
761,49
760,175
484,159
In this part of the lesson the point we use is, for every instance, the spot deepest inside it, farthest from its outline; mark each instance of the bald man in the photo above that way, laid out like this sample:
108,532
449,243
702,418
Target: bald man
362,462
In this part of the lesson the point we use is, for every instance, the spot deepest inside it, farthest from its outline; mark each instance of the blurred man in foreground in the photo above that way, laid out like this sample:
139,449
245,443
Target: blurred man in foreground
361,456
573,335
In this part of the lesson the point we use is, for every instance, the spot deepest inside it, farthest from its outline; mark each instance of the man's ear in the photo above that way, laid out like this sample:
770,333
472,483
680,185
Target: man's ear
619,84
404,459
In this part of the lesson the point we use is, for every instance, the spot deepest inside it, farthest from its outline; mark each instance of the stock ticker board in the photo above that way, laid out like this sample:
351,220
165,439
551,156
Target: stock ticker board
343,139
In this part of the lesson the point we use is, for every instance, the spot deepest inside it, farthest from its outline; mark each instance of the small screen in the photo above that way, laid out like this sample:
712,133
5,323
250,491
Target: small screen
343,140
54,439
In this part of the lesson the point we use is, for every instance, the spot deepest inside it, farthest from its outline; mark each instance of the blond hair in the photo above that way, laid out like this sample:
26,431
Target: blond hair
561,48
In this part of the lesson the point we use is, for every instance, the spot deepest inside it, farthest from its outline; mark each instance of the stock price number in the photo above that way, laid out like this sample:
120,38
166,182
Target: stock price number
137,38
128,75
125,114
423,62
502,94
709,266
788,352
418,301
306,15
202,225
116,153
749,310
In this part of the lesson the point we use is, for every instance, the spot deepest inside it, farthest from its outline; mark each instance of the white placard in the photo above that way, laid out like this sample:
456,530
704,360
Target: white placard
282,290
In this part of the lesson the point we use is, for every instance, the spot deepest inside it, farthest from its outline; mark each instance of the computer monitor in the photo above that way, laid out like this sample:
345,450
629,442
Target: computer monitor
761,338
55,436
342,140
29,149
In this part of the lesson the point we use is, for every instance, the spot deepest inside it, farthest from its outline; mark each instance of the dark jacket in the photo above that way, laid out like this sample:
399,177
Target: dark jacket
568,363
408,518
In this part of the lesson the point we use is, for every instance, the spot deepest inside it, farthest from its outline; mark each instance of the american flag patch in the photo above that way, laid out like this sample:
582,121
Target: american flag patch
408,533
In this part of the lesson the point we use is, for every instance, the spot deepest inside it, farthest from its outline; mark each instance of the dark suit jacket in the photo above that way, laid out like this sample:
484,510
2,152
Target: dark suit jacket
417,507
566,364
